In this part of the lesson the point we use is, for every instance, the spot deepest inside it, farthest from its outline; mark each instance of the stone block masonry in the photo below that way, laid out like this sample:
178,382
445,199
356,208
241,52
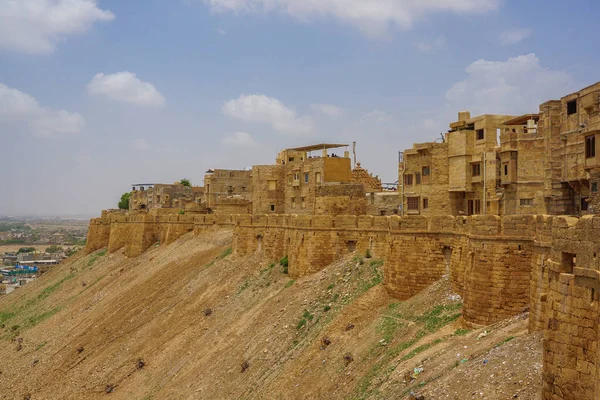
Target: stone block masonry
501,266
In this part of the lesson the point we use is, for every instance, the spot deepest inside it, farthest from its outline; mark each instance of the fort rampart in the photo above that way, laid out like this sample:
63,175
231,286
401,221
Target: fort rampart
501,266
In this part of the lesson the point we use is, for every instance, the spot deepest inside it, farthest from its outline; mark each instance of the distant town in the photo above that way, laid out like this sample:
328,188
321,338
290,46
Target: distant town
30,246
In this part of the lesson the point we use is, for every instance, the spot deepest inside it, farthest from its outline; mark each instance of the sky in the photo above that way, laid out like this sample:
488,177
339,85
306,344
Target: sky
98,95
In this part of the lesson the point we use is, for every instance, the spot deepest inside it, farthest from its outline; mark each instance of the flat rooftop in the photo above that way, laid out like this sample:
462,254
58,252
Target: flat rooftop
321,146
522,119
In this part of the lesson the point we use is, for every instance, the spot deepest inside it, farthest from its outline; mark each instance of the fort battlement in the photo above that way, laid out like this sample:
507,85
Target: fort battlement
501,266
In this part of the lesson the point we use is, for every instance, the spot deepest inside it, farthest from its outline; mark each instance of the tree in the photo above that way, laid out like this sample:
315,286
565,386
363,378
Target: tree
185,182
54,249
26,250
124,203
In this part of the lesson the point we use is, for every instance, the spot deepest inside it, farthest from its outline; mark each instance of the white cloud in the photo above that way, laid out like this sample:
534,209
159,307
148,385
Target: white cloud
515,86
239,139
19,106
514,36
125,87
37,26
374,17
139,144
376,116
429,46
221,31
329,110
261,108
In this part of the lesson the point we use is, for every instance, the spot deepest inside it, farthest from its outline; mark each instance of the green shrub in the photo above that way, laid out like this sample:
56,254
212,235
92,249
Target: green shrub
284,263
301,323
225,253
124,202
308,315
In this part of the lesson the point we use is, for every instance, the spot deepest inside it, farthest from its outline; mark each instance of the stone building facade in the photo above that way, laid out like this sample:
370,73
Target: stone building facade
226,184
541,163
458,174
176,195
309,180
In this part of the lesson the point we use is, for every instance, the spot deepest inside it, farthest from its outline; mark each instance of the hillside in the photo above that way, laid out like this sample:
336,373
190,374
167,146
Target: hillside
192,320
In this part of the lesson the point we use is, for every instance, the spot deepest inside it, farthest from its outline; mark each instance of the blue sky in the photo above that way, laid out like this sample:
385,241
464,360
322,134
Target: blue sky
96,95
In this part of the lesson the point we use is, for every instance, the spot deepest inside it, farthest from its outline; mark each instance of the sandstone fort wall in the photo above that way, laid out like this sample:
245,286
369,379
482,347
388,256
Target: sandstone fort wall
501,266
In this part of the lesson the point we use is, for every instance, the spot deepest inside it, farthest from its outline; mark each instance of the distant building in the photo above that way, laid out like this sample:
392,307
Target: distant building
312,180
317,179
9,259
148,196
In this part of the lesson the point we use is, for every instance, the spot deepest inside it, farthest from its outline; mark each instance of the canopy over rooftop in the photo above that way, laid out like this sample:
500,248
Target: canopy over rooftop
321,146
522,119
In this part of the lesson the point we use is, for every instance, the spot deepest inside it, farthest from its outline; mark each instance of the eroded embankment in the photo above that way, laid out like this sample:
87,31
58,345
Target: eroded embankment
190,320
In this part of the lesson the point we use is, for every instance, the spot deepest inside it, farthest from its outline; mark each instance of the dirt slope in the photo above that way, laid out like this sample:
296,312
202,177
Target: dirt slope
192,321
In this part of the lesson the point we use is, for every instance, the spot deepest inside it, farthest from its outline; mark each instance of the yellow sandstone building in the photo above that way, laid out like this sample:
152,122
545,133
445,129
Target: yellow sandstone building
542,163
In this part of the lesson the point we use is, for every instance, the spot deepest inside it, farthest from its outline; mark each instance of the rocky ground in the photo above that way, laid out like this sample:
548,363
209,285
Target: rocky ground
193,321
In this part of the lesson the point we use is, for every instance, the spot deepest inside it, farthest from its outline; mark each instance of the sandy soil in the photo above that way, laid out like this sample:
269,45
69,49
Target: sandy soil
191,321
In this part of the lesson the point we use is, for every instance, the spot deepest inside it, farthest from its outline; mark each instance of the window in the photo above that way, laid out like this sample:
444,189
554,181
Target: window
302,203
594,187
289,179
318,177
476,169
291,159
306,177
426,171
425,204
272,207
272,185
526,202
296,176
473,207
572,107
506,169
479,134
408,179
418,178
413,203
293,202
590,146
585,202
568,263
